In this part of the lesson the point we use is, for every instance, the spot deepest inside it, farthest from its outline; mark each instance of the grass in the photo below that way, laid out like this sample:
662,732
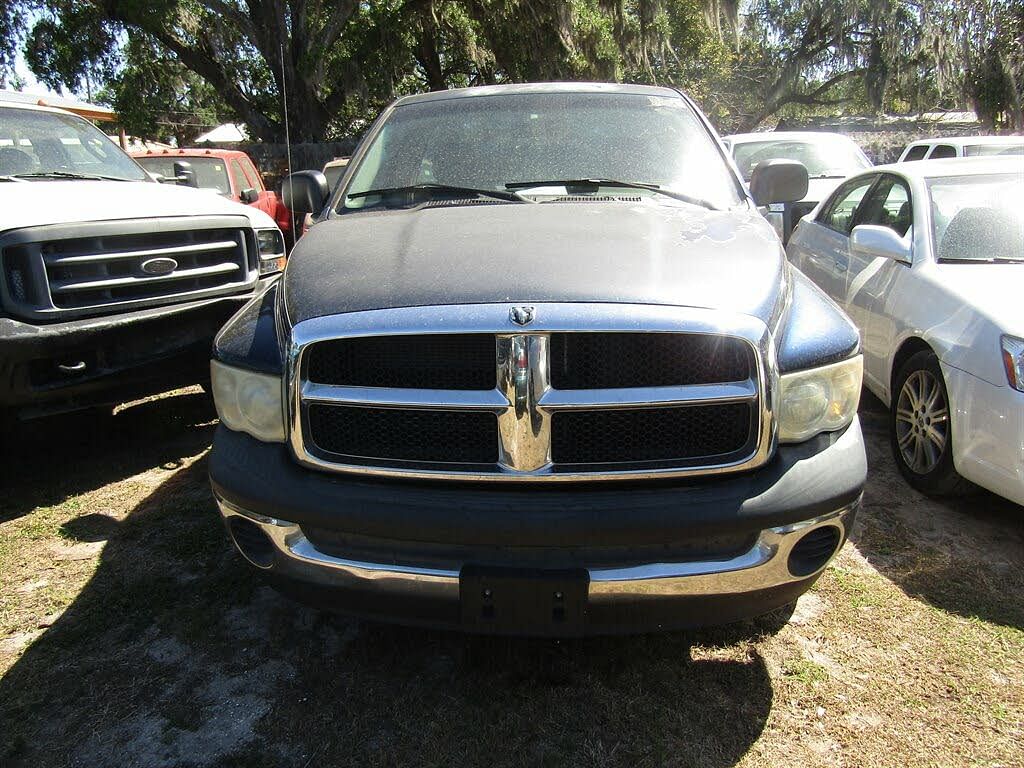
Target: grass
130,634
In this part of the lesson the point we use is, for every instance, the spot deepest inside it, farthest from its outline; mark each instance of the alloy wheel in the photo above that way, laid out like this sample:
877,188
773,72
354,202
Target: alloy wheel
922,422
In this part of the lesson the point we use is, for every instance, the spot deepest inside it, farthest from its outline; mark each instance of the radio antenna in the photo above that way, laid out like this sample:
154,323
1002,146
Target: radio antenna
287,139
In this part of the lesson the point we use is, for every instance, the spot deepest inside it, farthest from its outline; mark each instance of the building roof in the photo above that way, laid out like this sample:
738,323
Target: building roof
227,133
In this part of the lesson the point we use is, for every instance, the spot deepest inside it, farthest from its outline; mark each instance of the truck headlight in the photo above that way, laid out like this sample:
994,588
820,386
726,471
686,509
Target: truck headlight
270,243
248,402
1013,361
819,400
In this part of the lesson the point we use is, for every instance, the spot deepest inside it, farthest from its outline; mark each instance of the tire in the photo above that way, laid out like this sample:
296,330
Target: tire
920,429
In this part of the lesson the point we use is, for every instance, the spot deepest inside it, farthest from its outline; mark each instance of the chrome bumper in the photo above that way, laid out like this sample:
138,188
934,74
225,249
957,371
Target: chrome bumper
763,566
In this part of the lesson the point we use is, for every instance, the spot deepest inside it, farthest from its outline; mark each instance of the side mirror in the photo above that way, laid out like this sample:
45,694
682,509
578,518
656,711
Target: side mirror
305,191
778,181
184,175
874,241
249,195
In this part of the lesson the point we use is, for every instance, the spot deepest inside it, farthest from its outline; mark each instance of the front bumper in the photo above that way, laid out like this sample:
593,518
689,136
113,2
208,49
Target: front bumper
49,368
649,556
988,433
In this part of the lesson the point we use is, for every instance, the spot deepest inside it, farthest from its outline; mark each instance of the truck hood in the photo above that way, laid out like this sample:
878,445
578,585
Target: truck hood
645,253
34,203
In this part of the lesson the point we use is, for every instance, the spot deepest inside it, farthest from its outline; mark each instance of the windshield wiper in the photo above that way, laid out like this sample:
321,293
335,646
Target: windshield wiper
994,260
444,189
67,175
598,183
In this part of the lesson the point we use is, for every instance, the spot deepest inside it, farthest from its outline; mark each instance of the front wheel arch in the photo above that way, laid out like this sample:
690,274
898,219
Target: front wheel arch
936,475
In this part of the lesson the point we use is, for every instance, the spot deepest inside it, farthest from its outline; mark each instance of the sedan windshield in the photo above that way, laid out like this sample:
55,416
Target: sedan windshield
829,156
37,144
978,218
511,140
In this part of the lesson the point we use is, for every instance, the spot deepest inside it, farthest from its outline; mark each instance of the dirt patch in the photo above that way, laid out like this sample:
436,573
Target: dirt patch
132,635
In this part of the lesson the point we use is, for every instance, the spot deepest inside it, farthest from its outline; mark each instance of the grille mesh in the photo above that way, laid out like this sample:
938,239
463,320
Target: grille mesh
464,437
613,360
434,361
650,434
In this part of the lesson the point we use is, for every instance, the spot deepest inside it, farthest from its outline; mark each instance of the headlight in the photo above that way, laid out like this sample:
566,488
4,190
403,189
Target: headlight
819,400
270,243
1013,361
248,402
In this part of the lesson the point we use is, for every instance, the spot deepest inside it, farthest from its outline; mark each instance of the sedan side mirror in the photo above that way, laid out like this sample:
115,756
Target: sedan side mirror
249,195
778,181
305,191
874,241
184,175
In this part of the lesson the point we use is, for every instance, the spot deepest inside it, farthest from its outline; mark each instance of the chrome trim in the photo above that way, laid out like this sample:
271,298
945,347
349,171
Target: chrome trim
382,397
220,245
647,397
523,399
70,286
764,565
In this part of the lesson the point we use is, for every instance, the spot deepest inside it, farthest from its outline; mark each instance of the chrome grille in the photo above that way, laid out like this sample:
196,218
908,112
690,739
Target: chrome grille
72,270
388,407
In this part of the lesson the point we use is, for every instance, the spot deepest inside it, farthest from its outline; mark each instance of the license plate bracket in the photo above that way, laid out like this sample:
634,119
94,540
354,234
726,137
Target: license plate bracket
523,601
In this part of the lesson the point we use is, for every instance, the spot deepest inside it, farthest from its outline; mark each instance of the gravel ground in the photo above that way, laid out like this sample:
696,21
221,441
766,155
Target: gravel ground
132,635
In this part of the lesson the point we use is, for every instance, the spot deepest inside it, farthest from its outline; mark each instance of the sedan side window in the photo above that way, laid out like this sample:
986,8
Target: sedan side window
841,211
888,206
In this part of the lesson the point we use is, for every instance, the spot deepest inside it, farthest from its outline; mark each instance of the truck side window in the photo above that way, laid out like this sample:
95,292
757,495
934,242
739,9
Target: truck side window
255,180
238,178
942,151
840,212
916,153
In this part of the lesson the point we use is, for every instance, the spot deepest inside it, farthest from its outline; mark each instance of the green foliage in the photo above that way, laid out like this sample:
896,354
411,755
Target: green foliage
341,61
158,98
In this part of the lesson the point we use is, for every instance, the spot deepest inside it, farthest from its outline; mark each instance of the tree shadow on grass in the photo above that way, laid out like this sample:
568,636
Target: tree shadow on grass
175,654
46,461
964,555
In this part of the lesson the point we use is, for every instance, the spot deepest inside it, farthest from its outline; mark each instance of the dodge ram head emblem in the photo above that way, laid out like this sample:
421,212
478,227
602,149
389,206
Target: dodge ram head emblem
159,266
521,315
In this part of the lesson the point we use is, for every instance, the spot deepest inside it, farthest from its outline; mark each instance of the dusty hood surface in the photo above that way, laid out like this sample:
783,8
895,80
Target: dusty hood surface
643,253
34,203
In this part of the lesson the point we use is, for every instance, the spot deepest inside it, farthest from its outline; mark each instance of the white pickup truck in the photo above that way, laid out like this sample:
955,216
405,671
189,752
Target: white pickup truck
112,285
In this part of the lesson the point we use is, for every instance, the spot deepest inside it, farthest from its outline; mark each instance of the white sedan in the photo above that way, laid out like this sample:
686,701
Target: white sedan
928,260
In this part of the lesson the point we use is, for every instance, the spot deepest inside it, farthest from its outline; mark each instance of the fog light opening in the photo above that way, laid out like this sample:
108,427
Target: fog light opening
814,550
252,542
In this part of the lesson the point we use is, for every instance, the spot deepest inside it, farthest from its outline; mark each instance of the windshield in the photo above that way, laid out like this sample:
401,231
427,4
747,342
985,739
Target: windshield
829,156
211,172
987,150
38,142
488,142
978,218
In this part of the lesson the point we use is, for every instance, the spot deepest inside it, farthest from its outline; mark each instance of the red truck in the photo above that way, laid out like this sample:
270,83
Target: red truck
230,172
